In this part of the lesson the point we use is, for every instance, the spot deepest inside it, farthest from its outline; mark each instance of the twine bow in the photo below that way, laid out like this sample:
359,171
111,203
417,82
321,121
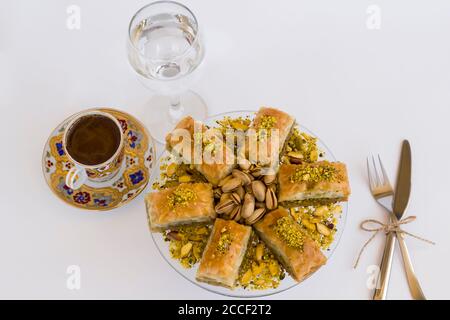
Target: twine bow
375,226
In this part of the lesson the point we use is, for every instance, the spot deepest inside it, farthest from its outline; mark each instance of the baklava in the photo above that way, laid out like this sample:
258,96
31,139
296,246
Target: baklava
192,140
224,253
262,146
310,183
299,254
185,204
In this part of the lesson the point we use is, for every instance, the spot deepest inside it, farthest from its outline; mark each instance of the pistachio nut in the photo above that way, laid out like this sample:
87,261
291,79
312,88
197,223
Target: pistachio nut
256,215
295,157
259,190
185,249
236,213
225,207
323,229
236,198
224,180
248,206
269,179
231,184
271,199
244,177
173,235
240,191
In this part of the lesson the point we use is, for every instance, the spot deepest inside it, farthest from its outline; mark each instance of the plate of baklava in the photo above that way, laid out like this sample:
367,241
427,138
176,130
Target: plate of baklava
247,203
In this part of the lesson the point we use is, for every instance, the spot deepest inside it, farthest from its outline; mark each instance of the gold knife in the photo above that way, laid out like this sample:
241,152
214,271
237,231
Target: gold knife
397,209
401,198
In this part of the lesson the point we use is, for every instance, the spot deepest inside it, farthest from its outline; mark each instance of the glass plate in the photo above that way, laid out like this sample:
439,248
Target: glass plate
287,282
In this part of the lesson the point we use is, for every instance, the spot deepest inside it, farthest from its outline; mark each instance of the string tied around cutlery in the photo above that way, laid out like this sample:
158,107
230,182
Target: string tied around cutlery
375,226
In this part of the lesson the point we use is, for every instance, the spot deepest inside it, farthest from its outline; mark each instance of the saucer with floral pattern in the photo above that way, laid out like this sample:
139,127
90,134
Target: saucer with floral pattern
129,182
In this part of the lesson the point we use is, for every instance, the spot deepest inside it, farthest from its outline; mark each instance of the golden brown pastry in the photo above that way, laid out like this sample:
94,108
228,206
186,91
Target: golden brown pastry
271,118
260,146
224,253
184,204
298,253
321,181
221,159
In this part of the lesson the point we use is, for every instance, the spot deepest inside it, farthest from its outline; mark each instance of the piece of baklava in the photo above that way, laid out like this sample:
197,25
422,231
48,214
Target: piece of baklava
319,182
185,204
269,131
299,254
224,253
205,148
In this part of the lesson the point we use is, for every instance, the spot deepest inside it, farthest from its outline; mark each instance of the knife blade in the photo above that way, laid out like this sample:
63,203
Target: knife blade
400,202
403,187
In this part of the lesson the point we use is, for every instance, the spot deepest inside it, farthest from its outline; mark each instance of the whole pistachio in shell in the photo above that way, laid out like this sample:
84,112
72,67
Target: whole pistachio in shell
271,199
256,215
225,207
259,190
224,196
231,184
225,180
248,206
269,179
244,177
235,214
236,198
240,191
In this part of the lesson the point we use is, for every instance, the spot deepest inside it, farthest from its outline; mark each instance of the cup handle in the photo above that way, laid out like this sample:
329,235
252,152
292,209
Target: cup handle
76,177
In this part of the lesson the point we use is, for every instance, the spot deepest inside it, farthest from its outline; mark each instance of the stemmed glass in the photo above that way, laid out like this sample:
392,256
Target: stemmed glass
164,48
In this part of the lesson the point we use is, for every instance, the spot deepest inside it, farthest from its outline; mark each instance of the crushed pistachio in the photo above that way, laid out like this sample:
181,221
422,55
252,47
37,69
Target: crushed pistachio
308,173
309,217
303,144
224,241
238,123
287,229
172,174
267,122
187,236
180,197
259,272
265,125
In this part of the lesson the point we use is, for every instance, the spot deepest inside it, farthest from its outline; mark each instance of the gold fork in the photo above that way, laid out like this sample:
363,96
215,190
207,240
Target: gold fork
384,194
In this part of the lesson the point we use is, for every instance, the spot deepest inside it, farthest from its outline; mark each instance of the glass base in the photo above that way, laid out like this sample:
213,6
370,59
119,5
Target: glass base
160,118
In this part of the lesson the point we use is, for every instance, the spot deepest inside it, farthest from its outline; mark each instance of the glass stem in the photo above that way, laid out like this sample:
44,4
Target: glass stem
176,110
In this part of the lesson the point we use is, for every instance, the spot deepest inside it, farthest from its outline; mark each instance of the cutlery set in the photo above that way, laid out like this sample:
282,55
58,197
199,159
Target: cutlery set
395,204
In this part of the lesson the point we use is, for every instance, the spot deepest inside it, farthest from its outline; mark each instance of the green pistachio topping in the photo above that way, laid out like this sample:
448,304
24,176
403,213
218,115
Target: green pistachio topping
314,174
180,197
265,126
288,230
267,122
224,241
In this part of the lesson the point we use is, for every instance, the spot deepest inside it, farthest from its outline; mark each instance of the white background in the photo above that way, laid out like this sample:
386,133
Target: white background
361,90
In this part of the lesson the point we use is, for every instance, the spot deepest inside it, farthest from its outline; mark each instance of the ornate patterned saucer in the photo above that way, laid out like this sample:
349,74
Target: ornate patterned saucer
131,179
